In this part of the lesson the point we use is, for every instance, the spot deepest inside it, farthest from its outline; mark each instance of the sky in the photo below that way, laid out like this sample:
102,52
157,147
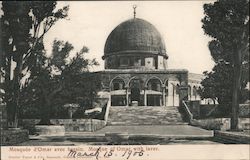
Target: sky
90,22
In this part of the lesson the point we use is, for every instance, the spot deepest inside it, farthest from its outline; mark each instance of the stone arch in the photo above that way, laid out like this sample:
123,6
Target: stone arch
135,86
154,83
135,78
120,82
153,77
166,82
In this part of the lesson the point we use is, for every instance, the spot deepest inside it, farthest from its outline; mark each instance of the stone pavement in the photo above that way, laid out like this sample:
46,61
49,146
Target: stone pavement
174,131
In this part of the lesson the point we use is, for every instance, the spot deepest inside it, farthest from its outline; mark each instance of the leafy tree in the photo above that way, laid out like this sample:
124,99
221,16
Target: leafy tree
217,85
227,22
57,80
24,25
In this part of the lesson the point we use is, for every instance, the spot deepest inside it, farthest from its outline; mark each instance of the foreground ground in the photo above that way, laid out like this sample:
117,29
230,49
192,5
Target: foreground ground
147,134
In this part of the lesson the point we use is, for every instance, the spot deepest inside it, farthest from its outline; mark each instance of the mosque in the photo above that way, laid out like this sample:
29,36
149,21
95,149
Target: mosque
136,69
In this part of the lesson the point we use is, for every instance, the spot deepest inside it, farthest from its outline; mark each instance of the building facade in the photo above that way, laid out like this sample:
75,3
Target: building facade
136,72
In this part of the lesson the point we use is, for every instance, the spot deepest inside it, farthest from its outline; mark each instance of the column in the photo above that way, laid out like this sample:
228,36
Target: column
127,100
163,96
173,92
145,97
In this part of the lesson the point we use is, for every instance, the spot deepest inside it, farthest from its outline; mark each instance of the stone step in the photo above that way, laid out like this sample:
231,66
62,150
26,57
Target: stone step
144,115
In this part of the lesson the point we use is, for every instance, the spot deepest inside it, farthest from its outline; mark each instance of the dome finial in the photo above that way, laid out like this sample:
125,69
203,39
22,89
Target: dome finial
134,7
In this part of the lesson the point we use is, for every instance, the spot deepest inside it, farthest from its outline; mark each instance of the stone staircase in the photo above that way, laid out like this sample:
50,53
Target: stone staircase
144,115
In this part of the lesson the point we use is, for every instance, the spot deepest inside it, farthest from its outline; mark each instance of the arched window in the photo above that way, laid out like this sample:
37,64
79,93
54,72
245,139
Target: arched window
154,84
135,83
118,84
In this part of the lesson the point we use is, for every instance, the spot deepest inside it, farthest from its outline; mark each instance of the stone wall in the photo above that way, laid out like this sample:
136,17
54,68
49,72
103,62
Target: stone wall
208,108
194,107
232,137
220,123
212,124
84,126
12,137
73,125
214,111
3,116
244,110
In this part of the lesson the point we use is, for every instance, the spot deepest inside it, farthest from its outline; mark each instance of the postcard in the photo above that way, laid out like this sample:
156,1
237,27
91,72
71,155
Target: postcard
115,80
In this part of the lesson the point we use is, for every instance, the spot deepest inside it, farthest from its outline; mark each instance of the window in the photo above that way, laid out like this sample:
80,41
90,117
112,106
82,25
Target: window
116,86
137,61
124,61
154,84
143,61
132,61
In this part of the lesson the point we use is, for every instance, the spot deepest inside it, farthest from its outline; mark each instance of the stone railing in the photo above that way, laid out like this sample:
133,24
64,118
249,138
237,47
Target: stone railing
187,111
107,112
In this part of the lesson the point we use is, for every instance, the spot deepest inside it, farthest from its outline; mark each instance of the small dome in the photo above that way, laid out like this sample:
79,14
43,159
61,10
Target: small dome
135,36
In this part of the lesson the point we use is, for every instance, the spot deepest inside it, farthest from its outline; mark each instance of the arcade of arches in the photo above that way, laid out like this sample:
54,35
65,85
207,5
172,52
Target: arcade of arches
136,92
145,88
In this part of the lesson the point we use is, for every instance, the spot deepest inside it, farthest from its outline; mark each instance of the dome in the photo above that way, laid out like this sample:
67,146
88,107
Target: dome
135,36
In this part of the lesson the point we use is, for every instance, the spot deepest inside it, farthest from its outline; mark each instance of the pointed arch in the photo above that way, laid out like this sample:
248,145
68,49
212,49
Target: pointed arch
154,83
166,82
117,83
135,78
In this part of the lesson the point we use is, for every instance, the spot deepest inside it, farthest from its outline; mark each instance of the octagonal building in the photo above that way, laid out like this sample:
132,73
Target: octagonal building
136,72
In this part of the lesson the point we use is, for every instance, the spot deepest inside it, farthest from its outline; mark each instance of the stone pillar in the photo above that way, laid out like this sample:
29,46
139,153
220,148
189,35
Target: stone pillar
173,93
127,100
161,101
163,95
145,97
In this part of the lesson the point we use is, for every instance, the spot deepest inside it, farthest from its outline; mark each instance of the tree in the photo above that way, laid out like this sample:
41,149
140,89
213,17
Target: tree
58,80
24,25
227,22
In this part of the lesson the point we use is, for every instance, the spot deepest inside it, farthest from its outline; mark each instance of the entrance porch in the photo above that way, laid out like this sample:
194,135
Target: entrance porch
143,98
